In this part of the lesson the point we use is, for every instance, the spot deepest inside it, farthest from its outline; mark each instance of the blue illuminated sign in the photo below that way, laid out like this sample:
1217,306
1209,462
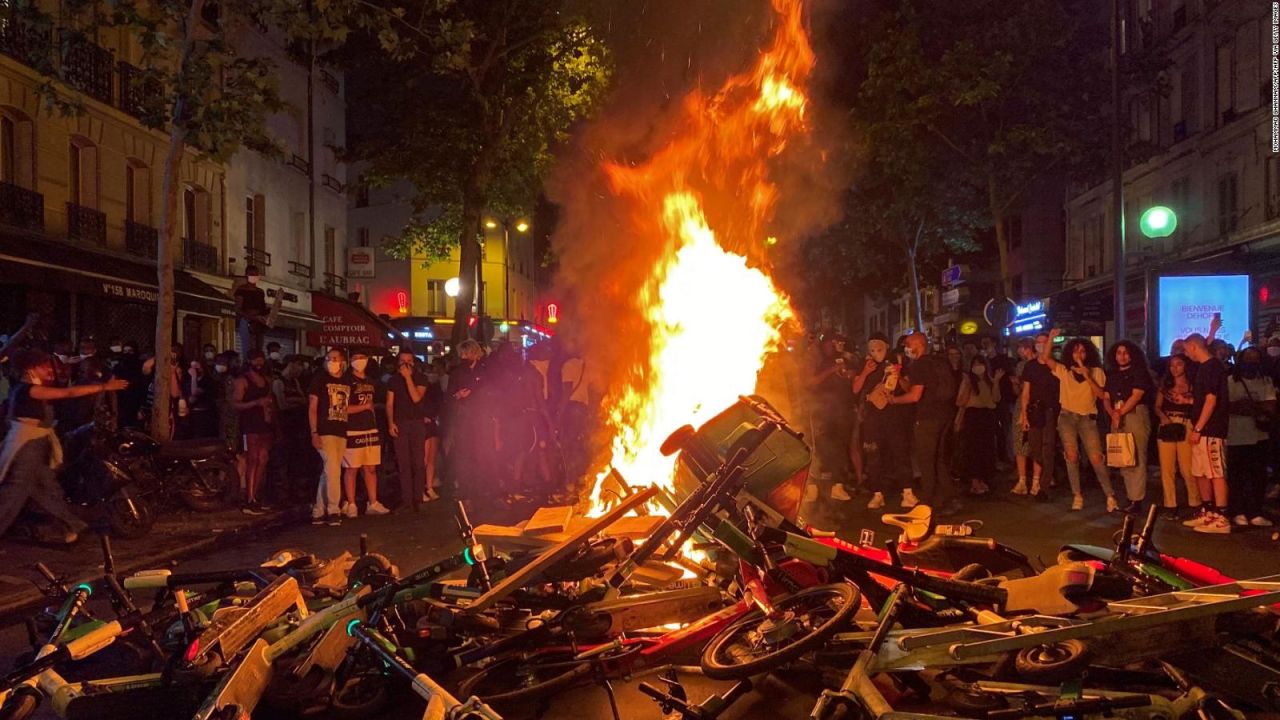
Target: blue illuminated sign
1187,304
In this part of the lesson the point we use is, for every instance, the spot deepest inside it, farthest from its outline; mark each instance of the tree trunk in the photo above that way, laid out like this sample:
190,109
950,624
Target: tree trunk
169,237
1002,239
468,261
168,240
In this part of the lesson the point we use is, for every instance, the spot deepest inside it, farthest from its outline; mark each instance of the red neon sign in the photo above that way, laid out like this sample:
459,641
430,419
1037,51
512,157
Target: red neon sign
402,299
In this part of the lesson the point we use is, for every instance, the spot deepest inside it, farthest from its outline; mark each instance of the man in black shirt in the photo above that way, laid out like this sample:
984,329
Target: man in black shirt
1210,418
251,312
329,398
1040,407
364,446
931,388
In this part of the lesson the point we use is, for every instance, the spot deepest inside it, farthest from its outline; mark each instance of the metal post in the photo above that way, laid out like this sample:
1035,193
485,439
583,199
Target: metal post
506,271
1117,175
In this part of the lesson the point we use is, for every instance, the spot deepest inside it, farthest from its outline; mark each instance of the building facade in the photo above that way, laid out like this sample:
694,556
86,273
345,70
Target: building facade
80,196
1205,127
418,295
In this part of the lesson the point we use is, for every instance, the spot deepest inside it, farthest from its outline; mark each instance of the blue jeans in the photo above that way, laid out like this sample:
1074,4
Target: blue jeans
1075,429
1137,422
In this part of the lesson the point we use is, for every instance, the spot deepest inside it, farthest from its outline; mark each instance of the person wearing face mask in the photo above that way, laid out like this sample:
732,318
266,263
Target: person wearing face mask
886,428
328,400
275,357
209,353
1080,387
407,426
31,450
1129,393
931,388
1018,443
468,442
1252,406
364,448
253,401
129,401
251,312
975,424
224,384
1039,419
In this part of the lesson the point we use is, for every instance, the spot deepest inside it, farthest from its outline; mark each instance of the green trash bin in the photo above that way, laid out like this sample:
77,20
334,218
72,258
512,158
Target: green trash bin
776,472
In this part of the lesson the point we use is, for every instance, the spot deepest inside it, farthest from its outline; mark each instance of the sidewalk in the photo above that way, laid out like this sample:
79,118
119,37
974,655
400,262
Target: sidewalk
174,535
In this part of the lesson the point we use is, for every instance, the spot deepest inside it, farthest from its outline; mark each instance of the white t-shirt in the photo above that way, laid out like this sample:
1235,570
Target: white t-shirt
1241,429
1074,394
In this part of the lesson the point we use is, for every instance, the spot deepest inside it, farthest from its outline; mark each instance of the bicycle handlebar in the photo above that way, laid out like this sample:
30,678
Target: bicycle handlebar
1071,708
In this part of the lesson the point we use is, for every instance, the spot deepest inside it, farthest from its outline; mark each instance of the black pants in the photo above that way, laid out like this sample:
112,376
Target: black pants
1246,479
928,442
886,445
1043,441
978,435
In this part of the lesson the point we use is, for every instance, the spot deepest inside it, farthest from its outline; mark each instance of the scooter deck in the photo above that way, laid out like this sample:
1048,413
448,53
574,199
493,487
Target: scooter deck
554,553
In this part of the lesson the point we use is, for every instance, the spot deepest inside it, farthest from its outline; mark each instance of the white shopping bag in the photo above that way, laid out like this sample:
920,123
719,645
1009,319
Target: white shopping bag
1120,450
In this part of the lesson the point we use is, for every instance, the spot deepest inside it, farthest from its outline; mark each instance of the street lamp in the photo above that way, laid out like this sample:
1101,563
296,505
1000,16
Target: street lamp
1158,222
521,226
451,287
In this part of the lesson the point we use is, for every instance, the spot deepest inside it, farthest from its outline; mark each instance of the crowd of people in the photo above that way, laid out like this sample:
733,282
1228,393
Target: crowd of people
321,428
926,424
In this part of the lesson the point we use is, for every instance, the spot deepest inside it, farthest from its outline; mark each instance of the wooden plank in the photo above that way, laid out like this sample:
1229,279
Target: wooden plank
549,520
636,527
527,573
656,574
510,537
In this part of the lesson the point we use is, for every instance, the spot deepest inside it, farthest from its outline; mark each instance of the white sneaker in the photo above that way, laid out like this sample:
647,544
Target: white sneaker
1241,520
877,501
909,499
1214,523
1112,505
1200,518
1077,502
349,510
1260,521
810,493
376,508
839,493
1021,487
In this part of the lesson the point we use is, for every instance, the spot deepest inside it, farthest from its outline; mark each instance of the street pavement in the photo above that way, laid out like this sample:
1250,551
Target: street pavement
412,540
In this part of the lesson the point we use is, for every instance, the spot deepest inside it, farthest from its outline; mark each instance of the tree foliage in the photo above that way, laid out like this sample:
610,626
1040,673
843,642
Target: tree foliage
1010,92
471,113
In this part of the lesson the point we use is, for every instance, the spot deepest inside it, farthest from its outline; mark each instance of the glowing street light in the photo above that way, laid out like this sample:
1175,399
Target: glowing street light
1158,222
491,224
451,287
522,226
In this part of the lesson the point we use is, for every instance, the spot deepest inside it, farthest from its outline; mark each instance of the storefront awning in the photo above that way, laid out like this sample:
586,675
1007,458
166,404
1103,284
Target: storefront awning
42,263
347,323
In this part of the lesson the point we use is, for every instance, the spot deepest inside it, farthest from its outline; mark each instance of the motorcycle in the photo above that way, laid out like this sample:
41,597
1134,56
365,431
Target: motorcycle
199,474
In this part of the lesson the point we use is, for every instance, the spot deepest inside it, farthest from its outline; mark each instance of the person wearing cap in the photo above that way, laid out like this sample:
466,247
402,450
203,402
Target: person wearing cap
364,447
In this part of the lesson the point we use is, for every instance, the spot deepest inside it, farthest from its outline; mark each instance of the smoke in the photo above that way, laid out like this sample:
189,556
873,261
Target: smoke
670,56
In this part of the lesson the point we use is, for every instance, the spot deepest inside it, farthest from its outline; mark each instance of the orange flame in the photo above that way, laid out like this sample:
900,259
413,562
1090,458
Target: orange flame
713,314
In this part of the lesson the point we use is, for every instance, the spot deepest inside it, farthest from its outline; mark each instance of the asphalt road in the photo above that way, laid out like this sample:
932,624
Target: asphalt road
414,540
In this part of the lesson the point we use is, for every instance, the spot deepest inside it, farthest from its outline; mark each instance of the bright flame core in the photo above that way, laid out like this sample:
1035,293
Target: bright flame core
713,317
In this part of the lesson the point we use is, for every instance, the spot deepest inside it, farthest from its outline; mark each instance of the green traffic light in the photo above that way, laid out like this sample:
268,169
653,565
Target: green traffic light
1158,222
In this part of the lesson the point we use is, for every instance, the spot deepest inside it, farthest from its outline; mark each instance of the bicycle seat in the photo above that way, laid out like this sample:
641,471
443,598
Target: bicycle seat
195,449
915,525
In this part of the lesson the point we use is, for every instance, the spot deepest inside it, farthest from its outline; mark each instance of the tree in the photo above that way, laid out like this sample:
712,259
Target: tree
1011,91
471,116
209,97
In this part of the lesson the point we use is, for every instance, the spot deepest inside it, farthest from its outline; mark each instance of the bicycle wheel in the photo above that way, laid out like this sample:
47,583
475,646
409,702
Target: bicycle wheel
804,621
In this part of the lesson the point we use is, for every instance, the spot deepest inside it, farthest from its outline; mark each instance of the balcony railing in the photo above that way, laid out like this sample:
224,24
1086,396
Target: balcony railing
333,183
297,268
86,224
141,94
333,283
299,163
20,207
140,240
87,66
257,256
199,256
23,40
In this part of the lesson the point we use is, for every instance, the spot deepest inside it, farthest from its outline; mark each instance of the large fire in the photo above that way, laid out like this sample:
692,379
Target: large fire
712,312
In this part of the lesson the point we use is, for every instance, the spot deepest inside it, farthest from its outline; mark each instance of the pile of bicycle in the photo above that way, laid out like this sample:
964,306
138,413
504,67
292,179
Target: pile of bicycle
728,583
